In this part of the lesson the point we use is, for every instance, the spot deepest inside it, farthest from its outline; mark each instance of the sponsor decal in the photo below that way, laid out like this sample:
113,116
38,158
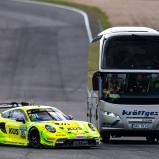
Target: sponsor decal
74,128
51,139
140,113
60,135
13,131
23,131
81,137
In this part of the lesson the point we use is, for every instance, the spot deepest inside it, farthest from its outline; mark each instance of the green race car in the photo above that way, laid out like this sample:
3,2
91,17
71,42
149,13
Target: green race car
39,126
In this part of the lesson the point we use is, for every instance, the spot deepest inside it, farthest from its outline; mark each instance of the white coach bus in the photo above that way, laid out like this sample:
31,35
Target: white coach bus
123,83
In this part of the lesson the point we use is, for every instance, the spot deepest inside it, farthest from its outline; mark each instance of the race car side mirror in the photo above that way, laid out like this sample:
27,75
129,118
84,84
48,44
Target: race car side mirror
20,120
70,117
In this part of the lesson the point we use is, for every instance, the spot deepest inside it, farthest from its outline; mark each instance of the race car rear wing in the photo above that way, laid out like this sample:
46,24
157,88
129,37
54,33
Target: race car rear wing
13,104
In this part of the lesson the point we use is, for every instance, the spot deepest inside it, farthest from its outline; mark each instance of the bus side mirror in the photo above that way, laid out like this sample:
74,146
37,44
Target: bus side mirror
95,81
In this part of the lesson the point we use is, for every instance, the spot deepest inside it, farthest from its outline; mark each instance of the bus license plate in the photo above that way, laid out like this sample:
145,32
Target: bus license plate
141,125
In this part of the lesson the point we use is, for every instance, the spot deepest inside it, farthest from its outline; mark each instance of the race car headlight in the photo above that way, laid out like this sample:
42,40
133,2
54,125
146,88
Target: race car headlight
110,114
91,126
50,128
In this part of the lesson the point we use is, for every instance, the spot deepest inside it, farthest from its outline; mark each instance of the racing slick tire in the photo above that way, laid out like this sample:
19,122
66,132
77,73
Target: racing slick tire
34,138
150,139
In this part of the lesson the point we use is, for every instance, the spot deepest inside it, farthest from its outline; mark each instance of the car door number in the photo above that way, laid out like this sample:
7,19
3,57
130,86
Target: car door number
23,130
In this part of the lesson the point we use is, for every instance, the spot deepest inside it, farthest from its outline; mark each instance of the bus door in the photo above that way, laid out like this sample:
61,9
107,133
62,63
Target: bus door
92,108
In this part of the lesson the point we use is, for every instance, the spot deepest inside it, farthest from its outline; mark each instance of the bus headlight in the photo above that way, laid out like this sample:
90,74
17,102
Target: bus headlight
110,114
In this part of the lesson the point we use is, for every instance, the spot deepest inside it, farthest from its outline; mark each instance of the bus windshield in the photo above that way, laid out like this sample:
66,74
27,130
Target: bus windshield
131,52
133,88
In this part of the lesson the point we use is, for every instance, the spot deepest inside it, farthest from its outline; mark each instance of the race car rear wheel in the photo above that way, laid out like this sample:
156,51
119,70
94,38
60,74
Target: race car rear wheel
34,138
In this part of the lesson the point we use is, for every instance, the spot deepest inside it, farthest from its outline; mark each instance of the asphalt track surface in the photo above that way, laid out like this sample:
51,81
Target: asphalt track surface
43,55
43,59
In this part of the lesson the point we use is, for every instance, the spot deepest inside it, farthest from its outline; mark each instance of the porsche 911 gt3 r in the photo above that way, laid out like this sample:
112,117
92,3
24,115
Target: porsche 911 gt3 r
44,126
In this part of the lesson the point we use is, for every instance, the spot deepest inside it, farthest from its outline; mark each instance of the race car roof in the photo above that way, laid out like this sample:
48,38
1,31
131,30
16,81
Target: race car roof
22,105
35,107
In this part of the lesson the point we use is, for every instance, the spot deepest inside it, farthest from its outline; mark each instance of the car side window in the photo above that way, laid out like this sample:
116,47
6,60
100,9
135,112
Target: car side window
17,114
6,114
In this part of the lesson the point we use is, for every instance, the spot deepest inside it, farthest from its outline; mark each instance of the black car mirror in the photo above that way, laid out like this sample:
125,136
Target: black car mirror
69,117
20,120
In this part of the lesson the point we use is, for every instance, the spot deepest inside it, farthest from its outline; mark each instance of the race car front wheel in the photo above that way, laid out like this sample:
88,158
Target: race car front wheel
34,138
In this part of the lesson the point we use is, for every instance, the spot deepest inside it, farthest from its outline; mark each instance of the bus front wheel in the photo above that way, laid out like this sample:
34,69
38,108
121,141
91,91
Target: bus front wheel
150,139
105,137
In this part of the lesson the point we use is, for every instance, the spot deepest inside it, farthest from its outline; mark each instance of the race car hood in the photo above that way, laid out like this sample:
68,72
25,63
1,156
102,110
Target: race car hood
69,129
69,126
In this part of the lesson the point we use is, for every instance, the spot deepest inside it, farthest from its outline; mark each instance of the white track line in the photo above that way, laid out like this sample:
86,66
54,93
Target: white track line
85,16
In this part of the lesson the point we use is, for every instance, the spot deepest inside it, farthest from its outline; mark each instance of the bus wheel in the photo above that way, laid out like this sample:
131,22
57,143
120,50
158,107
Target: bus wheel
105,137
157,138
150,139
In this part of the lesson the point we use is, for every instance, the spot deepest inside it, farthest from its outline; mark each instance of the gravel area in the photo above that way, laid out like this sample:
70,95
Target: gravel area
129,12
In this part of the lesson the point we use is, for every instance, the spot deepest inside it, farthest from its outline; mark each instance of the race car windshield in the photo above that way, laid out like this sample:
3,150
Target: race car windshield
45,115
131,52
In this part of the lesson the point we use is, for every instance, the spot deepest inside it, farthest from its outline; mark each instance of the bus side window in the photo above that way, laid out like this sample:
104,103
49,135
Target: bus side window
155,83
